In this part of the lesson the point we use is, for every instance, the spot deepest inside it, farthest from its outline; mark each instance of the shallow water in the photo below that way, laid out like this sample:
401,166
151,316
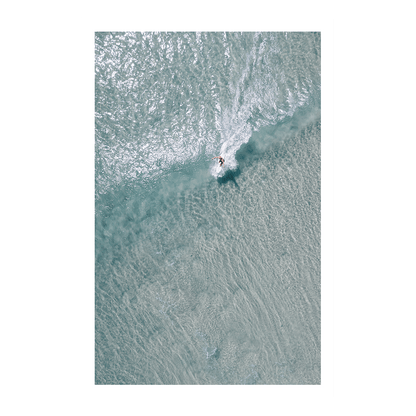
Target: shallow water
208,275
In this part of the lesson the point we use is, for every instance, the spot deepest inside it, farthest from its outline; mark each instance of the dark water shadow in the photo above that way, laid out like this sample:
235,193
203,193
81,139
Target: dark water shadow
230,176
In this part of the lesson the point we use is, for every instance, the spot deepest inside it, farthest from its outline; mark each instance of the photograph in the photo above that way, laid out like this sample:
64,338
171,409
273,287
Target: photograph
207,208
207,212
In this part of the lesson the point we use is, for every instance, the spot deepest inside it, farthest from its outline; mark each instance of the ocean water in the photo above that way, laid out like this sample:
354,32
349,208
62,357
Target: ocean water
207,275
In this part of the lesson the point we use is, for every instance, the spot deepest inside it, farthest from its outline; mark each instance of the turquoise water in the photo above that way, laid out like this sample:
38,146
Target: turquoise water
207,275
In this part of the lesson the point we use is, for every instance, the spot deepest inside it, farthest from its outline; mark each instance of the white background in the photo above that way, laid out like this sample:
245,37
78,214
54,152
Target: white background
327,25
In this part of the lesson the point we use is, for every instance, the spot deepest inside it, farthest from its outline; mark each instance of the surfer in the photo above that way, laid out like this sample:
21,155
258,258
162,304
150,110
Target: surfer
221,160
